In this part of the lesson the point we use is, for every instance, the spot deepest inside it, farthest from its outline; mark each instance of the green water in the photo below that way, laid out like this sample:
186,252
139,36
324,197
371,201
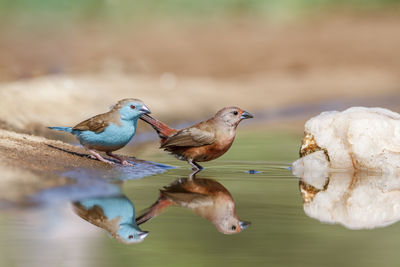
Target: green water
280,235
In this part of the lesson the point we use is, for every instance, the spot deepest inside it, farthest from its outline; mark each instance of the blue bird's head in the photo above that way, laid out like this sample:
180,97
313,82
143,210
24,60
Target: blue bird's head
130,233
131,109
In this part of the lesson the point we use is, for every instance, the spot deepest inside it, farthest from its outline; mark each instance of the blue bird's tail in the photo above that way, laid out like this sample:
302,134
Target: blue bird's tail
65,129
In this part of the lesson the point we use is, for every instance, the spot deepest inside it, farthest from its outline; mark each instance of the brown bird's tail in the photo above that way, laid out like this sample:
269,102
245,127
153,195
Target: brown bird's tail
156,209
161,128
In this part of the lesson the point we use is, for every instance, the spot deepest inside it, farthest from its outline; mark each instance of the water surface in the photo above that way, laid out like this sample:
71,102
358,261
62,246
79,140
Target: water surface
281,234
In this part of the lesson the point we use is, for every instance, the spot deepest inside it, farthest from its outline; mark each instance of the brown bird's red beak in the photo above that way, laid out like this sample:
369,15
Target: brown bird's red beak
246,115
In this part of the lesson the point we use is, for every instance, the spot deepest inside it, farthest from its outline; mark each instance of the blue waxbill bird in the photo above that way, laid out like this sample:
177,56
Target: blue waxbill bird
115,214
109,131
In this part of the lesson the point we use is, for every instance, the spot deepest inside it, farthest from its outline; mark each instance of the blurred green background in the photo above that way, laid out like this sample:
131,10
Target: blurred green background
115,10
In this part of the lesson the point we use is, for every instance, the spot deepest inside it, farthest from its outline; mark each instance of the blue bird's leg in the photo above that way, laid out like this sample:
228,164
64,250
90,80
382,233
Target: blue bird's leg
123,162
97,155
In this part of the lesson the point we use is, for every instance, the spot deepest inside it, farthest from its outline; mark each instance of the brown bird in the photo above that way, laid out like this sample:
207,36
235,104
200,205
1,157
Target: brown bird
204,141
207,198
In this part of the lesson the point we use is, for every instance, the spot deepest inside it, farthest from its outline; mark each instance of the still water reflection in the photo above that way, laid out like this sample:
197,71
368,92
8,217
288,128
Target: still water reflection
205,197
356,200
281,234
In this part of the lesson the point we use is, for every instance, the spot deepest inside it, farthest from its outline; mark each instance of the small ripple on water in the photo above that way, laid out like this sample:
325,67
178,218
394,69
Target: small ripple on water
265,170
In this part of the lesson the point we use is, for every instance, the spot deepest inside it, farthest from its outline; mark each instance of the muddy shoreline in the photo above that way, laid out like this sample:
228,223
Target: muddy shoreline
30,164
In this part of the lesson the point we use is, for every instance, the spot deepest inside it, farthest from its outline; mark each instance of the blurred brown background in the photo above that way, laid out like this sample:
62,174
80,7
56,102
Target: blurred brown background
62,61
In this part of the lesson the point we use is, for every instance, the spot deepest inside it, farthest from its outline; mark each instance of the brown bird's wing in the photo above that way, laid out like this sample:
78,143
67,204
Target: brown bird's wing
98,123
190,200
192,136
182,192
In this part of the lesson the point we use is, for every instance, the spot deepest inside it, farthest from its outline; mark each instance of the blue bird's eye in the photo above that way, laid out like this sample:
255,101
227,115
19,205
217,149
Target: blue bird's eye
133,107
130,237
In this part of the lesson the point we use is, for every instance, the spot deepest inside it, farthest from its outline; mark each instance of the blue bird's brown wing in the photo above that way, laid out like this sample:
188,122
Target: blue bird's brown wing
190,137
97,123
96,216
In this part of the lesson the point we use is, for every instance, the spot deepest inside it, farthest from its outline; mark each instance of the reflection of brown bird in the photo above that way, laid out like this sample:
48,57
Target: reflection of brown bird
206,197
204,141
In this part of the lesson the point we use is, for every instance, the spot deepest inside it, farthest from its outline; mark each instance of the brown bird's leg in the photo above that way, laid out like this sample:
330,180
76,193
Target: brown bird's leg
97,155
196,167
123,162
193,174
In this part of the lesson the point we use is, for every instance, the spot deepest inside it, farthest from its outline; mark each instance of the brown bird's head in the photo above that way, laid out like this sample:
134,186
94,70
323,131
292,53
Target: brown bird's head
225,219
232,116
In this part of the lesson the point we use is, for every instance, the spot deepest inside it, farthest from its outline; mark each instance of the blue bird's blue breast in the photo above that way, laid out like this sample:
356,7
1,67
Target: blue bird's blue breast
112,138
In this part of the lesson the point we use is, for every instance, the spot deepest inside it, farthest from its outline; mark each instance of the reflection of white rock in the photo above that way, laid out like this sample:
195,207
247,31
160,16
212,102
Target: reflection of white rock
311,168
363,138
357,201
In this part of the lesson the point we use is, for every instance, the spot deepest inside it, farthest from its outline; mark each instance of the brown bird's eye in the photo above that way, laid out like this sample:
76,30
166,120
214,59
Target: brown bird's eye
235,113
233,226
130,237
133,107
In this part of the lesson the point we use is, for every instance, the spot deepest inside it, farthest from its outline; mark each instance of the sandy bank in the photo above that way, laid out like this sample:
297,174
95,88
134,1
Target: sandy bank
29,164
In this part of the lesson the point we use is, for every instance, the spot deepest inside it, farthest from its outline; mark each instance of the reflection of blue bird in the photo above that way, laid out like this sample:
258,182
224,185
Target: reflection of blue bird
109,131
114,214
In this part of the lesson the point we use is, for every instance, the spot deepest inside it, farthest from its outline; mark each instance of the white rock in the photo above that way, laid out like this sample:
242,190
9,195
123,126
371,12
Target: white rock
360,138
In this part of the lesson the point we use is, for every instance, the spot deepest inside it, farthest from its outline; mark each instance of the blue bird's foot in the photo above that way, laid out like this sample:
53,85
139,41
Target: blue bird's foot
126,163
97,156
121,160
